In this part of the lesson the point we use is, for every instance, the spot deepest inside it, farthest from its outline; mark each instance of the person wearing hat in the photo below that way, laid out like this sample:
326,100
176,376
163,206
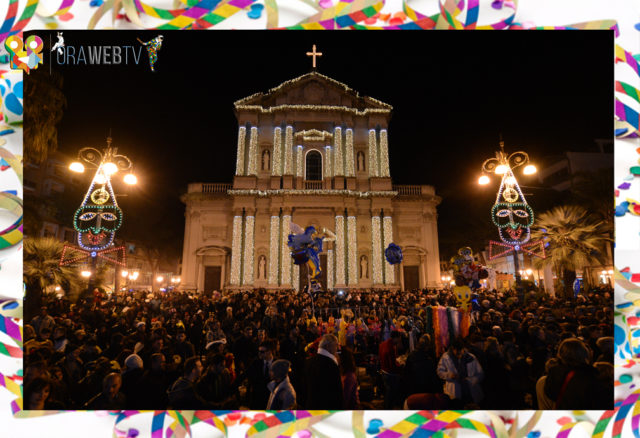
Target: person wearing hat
134,369
283,396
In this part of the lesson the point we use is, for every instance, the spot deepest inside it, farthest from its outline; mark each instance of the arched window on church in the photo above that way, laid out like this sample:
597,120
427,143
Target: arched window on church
266,160
313,166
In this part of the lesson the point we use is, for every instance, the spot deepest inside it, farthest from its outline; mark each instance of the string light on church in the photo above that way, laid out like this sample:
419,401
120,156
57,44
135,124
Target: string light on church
242,132
373,155
352,249
338,154
285,256
288,150
351,169
299,159
273,249
384,153
253,152
277,151
248,250
376,242
340,251
236,250
387,231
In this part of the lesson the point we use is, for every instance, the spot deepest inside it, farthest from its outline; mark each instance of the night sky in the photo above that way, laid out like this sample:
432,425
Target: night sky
453,93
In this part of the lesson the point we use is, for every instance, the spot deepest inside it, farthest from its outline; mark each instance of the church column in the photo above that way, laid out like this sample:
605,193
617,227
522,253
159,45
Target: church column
373,153
236,251
329,268
338,167
387,234
299,157
242,133
288,151
285,252
276,168
349,161
328,168
274,249
384,153
376,247
352,248
340,252
252,167
247,263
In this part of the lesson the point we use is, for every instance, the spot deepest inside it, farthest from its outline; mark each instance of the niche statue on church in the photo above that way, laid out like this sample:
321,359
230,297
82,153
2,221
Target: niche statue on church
262,263
364,267
360,161
266,157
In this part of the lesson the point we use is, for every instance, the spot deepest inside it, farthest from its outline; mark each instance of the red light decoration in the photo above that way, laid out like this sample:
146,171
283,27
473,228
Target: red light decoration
532,248
78,254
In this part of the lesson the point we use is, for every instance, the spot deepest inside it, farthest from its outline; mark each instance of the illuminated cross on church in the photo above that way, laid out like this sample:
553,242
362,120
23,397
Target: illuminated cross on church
314,54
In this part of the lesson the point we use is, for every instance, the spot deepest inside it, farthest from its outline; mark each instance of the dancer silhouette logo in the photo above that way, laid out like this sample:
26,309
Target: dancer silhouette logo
152,47
24,55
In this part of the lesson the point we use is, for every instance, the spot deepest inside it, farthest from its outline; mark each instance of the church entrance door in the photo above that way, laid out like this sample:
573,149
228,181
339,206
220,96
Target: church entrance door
212,277
411,278
304,277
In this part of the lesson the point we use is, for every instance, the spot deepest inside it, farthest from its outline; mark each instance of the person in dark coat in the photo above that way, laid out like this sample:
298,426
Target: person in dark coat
258,376
153,384
419,373
324,385
183,394
110,398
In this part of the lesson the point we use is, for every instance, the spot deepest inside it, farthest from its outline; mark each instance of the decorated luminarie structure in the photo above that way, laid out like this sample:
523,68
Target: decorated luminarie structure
511,213
99,216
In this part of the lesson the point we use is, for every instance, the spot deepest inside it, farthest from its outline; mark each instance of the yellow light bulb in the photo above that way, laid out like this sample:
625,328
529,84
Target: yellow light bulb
484,180
501,169
76,167
100,178
530,169
130,179
109,168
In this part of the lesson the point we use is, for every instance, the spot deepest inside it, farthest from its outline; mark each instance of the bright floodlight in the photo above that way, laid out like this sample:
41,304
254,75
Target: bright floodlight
159,278
76,167
109,168
86,274
484,180
501,169
528,271
124,273
130,179
529,169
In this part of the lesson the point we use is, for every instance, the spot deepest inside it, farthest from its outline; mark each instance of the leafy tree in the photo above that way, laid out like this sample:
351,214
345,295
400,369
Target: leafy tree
44,111
576,240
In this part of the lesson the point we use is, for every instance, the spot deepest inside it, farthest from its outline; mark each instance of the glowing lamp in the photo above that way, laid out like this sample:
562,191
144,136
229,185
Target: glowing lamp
159,278
100,178
529,271
109,168
529,169
76,167
86,274
501,169
130,179
484,180
604,272
124,273
610,272
57,288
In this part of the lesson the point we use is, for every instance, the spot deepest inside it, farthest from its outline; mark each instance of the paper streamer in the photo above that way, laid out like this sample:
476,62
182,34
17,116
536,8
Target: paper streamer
286,423
6,29
64,7
420,420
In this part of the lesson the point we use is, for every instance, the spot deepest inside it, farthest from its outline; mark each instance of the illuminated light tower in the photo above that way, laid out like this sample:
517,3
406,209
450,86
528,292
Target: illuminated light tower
99,216
511,213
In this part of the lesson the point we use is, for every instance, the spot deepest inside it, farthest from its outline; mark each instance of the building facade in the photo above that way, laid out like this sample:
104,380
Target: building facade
313,152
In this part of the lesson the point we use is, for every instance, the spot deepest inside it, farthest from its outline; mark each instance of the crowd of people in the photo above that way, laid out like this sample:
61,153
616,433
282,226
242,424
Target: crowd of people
279,350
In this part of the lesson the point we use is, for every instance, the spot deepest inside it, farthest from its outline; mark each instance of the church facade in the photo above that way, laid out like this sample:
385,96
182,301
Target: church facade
311,151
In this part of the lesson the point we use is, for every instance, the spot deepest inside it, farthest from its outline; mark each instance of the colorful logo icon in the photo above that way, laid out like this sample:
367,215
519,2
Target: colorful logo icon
24,55
152,47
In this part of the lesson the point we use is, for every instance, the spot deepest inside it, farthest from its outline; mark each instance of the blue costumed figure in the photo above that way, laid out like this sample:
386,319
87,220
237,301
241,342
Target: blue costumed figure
306,246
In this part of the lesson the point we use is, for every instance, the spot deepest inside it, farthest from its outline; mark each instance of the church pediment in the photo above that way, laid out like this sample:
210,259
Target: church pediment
314,90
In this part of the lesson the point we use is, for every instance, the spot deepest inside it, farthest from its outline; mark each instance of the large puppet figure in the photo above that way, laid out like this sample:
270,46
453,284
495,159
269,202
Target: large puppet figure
306,246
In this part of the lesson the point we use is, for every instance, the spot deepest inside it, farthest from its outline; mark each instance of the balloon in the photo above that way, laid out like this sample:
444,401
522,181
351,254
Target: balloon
393,254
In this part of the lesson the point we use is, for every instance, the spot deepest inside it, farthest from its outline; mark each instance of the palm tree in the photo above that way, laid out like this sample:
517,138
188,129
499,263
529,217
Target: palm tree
41,268
575,240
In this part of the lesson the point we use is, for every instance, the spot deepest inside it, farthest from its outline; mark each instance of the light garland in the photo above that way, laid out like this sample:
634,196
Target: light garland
338,155
236,251
340,251
239,104
387,231
274,249
304,192
317,108
330,269
313,135
352,248
376,246
252,168
276,169
296,277
373,153
299,155
328,168
288,150
350,163
285,254
242,133
248,261
384,153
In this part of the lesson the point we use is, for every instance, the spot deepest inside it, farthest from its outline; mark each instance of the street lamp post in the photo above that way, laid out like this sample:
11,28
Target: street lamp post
511,213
